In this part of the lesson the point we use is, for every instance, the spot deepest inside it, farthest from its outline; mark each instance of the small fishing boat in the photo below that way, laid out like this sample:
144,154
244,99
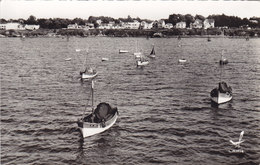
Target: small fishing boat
222,93
123,51
223,61
89,73
101,118
152,54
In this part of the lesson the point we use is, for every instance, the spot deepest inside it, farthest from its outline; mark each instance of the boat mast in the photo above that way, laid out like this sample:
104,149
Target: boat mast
92,95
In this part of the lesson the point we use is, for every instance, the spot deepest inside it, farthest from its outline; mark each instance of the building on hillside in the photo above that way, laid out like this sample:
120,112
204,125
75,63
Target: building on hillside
12,26
99,21
181,25
198,24
131,25
146,25
209,23
161,24
32,27
73,26
168,26
89,26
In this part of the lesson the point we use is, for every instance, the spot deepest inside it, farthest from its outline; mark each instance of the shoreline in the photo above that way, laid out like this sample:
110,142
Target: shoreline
124,33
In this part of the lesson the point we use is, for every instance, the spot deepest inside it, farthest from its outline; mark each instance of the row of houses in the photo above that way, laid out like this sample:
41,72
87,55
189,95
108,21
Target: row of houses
18,26
207,23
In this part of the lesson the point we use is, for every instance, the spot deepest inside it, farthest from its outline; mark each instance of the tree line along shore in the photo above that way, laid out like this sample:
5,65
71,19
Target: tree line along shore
151,33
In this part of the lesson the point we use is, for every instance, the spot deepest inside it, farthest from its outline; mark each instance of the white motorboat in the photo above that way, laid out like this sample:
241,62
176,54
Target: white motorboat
222,93
101,118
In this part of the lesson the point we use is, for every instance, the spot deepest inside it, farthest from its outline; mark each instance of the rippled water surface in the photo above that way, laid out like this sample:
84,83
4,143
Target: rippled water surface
166,116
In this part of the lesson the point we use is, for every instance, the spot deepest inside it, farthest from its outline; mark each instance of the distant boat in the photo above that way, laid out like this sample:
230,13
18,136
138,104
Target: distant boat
181,60
223,61
152,54
67,59
101,118
209,39
142,61
89,73
78,50
123,51
105,59
137,53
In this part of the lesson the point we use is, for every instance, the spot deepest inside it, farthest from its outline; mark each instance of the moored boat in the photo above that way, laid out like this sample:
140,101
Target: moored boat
89,73
222,93
101,118
123,51
152,54
223,60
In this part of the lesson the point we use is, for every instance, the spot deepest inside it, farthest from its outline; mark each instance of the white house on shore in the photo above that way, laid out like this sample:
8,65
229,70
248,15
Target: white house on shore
12,26
32,27
181,25
209,23
198,24
168,26
73,26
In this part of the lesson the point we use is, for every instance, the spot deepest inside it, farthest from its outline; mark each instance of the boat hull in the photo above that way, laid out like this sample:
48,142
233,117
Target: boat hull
89,129
142,63
104,59
182,60
123,51
88,76
222,98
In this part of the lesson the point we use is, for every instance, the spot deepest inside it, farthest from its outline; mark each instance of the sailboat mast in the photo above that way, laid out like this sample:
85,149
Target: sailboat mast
92,95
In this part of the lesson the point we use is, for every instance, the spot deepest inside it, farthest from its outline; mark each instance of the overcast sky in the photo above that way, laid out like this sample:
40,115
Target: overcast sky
151,9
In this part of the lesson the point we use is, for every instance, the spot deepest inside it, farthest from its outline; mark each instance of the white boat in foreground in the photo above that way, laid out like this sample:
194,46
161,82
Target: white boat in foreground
101,119
222,93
